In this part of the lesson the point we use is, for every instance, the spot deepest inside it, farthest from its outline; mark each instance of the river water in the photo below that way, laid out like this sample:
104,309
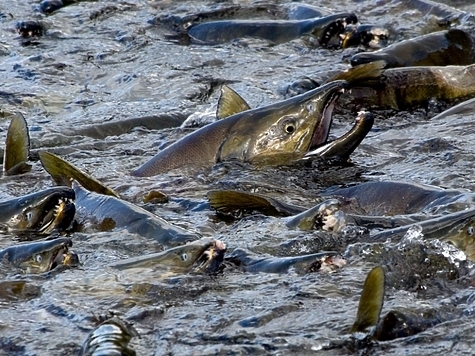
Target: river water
101,61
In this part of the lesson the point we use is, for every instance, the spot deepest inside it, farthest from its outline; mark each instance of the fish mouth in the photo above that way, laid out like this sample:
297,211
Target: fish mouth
329,262
211,259
60,255
322,129
42,256
331,34
59,217
54,211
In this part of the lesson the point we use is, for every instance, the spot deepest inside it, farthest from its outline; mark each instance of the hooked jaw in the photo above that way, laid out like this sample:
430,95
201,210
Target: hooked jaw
322,128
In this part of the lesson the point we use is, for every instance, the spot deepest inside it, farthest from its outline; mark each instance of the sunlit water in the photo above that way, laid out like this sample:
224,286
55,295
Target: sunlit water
103,61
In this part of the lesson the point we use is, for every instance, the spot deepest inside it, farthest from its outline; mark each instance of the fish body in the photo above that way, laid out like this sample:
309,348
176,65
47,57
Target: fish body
275,134
274,31
254,263
120,214
451,47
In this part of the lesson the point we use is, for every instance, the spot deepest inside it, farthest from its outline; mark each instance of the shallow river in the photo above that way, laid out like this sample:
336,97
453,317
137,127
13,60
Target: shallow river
102,61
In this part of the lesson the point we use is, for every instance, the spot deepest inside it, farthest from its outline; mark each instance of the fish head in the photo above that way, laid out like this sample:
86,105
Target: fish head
44,211
201,256
43,256
285,131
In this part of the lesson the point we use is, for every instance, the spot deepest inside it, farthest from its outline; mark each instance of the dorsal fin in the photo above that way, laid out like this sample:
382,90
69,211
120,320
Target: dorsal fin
232,201
230,103
17,147
365,74
62,172
371,301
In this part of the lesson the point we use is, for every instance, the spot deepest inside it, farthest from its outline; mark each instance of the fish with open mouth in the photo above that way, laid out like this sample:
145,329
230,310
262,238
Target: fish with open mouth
201,256
279,133
40,256
42,212
274,31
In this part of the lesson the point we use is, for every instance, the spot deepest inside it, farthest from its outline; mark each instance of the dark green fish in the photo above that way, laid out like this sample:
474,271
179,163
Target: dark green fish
409,87
275,134
452,47
17,147
37,257
42,212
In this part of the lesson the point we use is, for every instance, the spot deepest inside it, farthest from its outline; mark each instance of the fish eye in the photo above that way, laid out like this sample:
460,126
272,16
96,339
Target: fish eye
184,257
38,258
289,126
29,215
470,231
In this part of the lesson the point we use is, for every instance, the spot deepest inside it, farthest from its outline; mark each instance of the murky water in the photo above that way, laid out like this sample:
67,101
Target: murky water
103,61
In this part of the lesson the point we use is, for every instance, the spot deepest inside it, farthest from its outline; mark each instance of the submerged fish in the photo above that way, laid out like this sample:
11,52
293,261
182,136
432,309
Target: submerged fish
201,256
274,31
99,205
408,87
452,47
42,212
110,212
39,256
254,263
275,134
17,147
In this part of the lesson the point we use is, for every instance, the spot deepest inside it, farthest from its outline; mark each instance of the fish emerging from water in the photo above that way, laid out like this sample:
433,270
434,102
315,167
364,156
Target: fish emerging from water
275,134
40,256
201,256
274,31
41,212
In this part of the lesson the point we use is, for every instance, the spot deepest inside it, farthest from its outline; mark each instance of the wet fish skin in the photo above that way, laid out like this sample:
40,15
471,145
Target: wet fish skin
17,147
111,337
254,263
203,255
121,214
451,47
36,257
42,212
275,134
275,31
371,301
344,146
